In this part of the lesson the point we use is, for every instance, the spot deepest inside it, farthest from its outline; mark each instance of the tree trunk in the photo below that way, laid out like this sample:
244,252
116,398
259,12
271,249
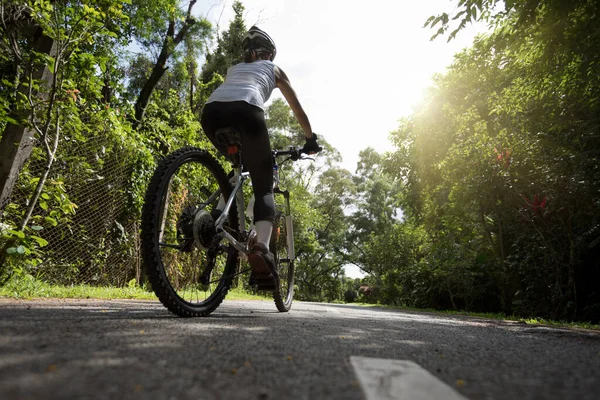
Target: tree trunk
192,78
18,140
169,44
157,72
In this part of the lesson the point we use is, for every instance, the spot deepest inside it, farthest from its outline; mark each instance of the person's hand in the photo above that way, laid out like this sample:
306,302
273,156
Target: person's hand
311,146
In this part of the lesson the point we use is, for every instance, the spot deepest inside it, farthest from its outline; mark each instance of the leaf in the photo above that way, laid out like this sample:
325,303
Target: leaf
45,196
428,21
37,228
11,250
458,15
51,221
43,205
19,234
21,249
40,241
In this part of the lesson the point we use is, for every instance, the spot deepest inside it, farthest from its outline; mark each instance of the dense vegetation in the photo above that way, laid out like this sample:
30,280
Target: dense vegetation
489,201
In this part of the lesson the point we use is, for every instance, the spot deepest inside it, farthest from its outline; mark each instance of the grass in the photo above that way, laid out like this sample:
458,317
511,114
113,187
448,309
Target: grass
27,288
497,316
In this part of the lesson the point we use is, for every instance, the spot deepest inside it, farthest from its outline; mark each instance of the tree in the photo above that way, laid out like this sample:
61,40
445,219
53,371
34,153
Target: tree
320,194
498,164
51,106
176,25
229,49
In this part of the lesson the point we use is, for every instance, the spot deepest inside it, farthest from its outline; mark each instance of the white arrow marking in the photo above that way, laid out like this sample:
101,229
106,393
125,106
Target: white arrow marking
383,379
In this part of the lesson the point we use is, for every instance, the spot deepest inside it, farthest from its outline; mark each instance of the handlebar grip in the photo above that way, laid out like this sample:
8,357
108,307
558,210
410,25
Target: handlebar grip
318,150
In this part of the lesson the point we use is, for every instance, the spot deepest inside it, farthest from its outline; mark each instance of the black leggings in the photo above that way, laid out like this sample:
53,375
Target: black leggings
249,120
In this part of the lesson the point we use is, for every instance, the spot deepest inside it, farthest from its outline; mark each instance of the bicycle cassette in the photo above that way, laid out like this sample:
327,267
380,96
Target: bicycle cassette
204,229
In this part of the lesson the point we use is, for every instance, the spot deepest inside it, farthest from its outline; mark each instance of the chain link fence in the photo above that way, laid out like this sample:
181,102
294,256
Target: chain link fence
100,243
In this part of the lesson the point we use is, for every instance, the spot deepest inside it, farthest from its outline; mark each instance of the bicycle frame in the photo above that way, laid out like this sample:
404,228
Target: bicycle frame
237,194
288,223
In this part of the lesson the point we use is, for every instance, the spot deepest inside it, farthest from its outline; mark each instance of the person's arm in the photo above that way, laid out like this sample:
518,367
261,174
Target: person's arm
283,83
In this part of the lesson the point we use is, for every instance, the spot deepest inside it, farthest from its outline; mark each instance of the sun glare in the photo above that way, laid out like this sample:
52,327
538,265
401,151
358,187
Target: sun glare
357,68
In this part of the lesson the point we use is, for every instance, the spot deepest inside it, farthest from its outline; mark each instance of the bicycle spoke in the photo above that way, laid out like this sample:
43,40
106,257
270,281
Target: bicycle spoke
179,202
285,267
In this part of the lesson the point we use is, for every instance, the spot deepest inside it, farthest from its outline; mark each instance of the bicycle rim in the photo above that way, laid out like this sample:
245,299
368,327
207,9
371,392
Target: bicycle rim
189,268
283,295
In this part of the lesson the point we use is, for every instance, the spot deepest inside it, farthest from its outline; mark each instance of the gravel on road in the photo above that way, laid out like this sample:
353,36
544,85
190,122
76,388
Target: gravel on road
130,349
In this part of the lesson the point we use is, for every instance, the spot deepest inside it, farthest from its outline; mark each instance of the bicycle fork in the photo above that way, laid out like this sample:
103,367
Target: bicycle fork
289,226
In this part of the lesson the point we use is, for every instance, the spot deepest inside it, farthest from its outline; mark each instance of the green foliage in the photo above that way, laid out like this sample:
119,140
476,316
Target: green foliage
22,249
499,165
488,203
74,30
229,47
320,193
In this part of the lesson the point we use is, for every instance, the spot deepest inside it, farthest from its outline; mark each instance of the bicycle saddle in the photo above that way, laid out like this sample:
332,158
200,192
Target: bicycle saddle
230,138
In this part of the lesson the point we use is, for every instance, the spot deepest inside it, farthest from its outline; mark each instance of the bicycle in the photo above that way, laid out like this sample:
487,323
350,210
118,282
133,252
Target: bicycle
194,229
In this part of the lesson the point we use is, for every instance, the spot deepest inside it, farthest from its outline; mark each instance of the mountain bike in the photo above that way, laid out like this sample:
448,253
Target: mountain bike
195,233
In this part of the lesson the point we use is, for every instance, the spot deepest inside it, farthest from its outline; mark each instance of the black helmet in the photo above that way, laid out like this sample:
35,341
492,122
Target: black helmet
258,40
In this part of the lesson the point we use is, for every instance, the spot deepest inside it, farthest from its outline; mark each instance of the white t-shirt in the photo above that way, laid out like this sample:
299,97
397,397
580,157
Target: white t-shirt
250,82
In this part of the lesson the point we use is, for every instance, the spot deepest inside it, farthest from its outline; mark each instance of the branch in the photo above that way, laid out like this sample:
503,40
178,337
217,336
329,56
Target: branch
32,105
13,41
361,268
189,12
72,30
323,232
189,21
324,272
41,183
57,60
359,249
219,20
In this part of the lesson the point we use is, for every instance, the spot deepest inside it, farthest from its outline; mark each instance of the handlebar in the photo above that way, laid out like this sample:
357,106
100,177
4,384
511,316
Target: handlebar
294,153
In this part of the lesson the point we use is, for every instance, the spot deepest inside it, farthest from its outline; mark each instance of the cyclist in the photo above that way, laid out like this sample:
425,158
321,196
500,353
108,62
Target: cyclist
239,103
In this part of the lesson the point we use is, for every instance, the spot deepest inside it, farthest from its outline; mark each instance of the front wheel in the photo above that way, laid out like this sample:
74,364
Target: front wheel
189,266
280,247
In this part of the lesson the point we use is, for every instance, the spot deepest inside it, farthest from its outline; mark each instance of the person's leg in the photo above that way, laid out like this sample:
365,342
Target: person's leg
264,229
257,159
256,156
214,116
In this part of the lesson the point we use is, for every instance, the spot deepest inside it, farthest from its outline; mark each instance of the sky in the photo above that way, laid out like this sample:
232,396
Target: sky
357,67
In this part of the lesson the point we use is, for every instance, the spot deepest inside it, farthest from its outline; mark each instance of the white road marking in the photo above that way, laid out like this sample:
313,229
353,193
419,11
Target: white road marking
383,379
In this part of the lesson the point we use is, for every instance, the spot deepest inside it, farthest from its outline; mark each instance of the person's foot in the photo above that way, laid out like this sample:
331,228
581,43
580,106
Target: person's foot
264,272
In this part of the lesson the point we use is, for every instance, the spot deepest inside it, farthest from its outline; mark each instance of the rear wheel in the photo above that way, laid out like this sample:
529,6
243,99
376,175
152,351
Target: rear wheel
284,294
189,266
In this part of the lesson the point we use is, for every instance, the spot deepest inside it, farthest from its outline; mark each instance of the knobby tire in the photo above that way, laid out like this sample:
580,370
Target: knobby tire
153,217
284,294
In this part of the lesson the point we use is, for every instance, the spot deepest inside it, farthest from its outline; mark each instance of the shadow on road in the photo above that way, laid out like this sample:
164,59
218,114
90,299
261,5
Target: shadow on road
92,349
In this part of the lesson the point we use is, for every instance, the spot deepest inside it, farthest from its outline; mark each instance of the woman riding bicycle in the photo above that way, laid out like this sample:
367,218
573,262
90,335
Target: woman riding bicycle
239,103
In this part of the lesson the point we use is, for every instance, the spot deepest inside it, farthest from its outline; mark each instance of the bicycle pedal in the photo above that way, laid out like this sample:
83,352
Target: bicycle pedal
265,284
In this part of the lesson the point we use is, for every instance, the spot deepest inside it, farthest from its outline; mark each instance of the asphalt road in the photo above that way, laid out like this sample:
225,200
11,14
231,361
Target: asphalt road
90,349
